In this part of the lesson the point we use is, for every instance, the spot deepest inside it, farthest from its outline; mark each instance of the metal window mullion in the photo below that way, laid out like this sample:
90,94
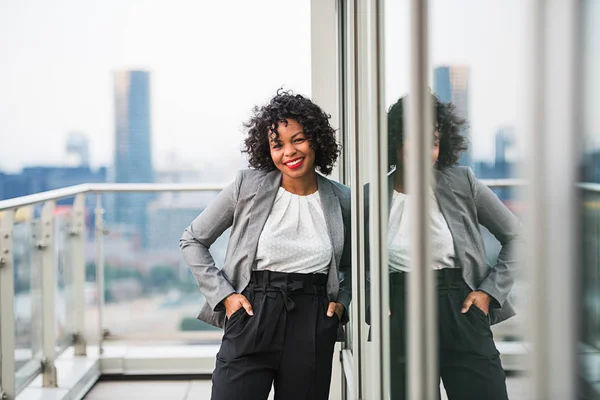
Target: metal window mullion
48,273
99,241
423,381
374,131
342,41
7,307
77,266
357,199
361,124
553,225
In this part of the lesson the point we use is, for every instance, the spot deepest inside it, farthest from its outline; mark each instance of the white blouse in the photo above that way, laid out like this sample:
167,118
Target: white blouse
442,244
295,237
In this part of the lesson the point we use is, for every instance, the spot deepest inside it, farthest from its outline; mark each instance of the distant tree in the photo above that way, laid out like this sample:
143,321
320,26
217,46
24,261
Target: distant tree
113,273
162,277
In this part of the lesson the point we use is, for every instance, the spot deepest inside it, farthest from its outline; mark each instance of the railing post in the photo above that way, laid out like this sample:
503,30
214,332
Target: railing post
76,251
7,322
99,237
45,245
35,289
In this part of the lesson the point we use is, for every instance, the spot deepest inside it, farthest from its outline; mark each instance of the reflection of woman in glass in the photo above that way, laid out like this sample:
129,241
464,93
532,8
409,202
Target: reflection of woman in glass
471,294
281,293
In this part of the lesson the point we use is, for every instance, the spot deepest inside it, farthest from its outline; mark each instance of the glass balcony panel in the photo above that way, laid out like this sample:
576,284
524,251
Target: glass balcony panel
27,300
150,293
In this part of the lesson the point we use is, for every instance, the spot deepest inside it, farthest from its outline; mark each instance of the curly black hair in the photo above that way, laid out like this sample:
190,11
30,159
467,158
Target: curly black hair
448,123
283,106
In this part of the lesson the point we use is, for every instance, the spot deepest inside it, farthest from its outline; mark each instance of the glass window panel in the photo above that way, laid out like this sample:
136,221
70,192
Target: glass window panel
590,200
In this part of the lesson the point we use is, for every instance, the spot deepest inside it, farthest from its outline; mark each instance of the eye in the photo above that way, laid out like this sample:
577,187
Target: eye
299,140
276,145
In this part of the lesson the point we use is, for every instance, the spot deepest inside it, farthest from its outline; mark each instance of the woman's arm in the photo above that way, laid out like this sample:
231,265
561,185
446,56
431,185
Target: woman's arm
505,226
201,234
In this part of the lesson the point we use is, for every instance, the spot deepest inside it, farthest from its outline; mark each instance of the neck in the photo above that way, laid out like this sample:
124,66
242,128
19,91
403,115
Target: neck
399,180
302,186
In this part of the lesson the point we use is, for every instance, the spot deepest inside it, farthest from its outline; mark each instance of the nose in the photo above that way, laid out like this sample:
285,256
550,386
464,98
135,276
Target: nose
289,150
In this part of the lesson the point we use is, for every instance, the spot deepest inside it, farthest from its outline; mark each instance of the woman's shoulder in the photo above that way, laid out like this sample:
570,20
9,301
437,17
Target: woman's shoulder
338,188
461,179
249,173
250,176
249,180
342,192
458,171
459,174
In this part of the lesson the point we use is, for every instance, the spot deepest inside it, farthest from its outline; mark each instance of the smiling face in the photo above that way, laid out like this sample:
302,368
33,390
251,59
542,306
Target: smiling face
291,151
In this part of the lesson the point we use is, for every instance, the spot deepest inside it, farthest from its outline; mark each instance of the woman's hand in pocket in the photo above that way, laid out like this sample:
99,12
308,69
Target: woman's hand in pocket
236,301
479,299
337,308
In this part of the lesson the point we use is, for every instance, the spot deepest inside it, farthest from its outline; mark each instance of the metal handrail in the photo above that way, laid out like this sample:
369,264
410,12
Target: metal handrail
498,183
71,191
590,187
43,197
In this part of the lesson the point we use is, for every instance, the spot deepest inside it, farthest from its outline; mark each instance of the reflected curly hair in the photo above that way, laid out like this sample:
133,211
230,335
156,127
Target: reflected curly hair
449,125
314,121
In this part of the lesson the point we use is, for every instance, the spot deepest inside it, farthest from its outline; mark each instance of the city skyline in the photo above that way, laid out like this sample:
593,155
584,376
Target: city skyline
170,158
209,69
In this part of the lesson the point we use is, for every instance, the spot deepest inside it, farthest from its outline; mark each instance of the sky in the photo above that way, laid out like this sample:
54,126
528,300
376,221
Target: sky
210,63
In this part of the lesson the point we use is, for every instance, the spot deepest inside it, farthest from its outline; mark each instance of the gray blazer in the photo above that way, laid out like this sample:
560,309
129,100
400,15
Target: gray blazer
466,203
245,206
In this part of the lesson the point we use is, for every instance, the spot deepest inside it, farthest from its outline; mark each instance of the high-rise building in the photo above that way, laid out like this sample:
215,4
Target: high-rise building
133,146
505,139
451,84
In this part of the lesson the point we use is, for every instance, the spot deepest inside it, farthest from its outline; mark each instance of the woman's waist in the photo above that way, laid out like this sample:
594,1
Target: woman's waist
275,281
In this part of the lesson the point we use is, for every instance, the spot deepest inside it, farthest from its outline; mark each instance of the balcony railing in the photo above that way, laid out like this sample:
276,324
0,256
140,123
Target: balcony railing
46,302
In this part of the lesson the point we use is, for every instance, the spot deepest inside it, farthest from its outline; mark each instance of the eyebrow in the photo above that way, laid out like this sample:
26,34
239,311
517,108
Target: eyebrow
299,133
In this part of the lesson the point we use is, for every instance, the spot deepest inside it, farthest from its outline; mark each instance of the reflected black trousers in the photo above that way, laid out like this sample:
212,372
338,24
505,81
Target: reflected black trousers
288,342
469,362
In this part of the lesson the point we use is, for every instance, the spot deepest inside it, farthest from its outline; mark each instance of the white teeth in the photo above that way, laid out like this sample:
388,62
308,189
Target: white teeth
294,162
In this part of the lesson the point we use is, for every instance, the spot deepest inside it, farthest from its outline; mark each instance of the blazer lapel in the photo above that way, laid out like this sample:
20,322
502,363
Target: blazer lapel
333,215
447,201
261,208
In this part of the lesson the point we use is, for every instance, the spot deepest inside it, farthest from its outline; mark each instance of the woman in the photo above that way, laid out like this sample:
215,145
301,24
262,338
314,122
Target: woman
471,294
285,284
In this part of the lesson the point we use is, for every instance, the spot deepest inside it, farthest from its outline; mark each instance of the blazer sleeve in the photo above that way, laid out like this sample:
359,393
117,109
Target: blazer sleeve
505,226
201,234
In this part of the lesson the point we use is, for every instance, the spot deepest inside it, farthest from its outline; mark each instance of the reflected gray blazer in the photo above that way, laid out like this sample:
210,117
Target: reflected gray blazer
466,203
245,206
